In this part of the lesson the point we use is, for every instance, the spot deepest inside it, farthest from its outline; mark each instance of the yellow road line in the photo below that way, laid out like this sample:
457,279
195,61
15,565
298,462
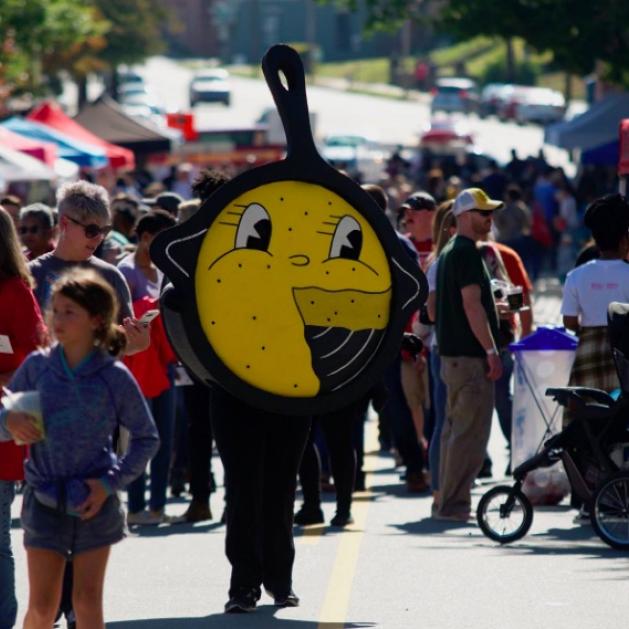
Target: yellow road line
336,602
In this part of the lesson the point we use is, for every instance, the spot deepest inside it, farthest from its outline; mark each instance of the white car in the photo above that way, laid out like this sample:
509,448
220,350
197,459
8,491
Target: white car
210,86
541,105
455,95
357,155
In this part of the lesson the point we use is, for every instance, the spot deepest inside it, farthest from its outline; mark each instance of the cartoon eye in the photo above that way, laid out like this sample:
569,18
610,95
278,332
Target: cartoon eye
347,241
254,228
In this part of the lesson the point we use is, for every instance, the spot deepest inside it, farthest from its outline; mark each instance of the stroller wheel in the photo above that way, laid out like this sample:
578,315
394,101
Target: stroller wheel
504,514
609,513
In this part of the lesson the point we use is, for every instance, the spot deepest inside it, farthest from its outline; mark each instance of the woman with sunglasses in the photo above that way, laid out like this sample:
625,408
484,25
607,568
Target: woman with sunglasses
37,229
84,221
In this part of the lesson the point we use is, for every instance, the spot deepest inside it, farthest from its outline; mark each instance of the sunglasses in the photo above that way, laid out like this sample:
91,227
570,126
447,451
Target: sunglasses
33,229
483,212
92,230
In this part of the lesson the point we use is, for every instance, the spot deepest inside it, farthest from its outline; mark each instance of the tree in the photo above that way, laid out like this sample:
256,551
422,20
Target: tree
41,37
578,33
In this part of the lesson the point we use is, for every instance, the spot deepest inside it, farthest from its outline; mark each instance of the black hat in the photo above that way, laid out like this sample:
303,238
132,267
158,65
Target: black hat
420,201
168,201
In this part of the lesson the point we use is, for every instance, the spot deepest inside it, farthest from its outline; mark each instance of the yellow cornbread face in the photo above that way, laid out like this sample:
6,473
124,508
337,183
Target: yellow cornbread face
280,257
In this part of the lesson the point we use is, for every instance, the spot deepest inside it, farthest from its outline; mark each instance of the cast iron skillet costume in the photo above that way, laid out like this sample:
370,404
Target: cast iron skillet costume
347,362
261,433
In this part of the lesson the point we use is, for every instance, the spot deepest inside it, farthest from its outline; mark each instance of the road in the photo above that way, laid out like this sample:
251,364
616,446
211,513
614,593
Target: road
386,120
395,568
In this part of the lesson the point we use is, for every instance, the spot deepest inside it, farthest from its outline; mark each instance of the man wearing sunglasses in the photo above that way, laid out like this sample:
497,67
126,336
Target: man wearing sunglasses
467,333
416,214
84,221
37,229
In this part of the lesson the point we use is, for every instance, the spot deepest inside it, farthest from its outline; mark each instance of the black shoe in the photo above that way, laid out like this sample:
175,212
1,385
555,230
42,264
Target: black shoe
359,482
485,471
309,515
243,601
290,599
342,519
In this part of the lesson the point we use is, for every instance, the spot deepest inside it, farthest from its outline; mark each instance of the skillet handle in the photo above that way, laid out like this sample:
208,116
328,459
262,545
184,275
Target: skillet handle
291,103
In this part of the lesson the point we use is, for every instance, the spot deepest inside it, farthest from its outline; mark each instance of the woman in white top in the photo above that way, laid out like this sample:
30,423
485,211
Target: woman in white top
590,288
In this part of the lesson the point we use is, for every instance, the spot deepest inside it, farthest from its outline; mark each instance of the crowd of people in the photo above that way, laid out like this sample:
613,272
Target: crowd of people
84,331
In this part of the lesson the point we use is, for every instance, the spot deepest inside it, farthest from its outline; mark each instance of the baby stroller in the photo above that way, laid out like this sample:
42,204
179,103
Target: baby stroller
592,449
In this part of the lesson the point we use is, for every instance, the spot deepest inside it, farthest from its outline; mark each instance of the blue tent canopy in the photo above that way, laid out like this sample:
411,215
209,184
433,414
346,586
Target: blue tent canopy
73,150
604,155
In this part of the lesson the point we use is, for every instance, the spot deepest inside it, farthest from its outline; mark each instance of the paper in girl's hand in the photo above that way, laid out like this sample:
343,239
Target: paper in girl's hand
28,402
5,344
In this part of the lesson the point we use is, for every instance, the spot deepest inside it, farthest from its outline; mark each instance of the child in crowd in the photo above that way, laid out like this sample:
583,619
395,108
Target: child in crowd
71,508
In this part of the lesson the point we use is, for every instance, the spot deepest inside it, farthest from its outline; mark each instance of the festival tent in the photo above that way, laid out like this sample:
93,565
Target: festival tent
51,115
106,119
16,166
43,151
594,128
78,152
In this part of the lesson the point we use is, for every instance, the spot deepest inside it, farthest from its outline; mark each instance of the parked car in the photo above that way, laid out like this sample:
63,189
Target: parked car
510,101
359,156
492,97
444,132
210,86
541,105
455,94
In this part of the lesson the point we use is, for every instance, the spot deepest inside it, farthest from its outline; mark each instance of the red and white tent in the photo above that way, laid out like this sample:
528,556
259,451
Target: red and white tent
50,114
43,151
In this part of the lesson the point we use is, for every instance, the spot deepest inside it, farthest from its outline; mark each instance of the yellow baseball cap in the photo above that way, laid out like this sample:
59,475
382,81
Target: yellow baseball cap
474,199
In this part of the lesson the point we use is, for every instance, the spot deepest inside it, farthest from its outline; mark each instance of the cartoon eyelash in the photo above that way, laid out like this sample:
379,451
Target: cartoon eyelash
235,213
326,233
246,205
335,223
230,224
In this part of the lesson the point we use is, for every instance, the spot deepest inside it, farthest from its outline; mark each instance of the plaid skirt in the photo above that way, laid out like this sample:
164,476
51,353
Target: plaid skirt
593,364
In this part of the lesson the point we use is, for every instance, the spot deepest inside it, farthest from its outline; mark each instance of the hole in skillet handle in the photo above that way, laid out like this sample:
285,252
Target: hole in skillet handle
284,74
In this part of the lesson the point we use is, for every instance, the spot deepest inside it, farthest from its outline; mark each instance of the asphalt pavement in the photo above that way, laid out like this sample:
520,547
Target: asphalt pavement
394,568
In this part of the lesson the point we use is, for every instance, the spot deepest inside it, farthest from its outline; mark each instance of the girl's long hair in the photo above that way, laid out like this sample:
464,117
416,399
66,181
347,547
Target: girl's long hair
12,260
92,293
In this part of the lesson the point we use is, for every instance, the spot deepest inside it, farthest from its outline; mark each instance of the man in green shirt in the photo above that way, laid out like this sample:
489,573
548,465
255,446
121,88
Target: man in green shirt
467,329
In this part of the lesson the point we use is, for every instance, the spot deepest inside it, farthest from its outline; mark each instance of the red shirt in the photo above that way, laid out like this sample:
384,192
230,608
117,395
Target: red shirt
424,249
150,367
515,269
21,321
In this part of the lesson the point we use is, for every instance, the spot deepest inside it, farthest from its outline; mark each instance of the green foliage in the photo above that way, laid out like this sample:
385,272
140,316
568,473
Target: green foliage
525,72
134,31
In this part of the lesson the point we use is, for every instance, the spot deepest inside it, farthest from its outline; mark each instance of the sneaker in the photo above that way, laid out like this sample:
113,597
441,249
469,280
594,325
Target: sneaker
197,512
583,517
290,599
145,518
308,515
243,601
342,520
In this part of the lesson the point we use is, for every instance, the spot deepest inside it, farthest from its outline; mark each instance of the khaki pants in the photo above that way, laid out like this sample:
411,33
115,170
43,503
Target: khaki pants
469,408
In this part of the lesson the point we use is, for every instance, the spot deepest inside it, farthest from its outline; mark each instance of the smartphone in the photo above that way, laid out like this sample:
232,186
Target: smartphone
148,316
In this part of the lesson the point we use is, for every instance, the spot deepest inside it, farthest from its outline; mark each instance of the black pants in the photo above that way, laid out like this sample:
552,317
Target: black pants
197,399
339,430
261,453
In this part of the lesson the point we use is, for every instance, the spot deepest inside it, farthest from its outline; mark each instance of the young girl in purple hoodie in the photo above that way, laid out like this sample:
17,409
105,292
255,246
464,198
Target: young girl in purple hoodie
71,508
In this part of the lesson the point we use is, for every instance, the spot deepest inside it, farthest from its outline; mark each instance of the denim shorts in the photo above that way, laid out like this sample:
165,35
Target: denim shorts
68,535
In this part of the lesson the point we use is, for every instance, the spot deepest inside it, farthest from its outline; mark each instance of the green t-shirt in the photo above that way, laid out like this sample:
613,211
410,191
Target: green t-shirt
461,265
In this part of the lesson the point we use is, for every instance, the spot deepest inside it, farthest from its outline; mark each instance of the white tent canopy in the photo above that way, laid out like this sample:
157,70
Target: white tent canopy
595,127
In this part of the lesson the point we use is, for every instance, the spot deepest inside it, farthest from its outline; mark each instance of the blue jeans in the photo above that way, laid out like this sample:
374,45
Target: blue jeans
163,410
8,603
504,397
439,396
